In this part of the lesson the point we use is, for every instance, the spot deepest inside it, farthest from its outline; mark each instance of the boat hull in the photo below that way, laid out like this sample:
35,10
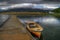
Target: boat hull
37,34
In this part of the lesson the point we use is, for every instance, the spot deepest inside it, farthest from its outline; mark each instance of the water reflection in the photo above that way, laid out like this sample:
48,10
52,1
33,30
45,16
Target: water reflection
50,24
45,20
49,20
3,18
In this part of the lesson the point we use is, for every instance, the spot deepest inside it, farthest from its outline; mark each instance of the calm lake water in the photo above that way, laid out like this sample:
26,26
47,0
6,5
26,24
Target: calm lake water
3,18
50,24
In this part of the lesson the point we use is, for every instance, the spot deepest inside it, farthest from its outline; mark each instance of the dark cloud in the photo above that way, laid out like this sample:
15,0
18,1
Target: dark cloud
25,1
31,1
3,0
53,0
21,1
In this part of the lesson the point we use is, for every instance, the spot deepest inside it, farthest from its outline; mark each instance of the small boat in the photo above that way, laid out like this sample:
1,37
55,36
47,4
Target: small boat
34,28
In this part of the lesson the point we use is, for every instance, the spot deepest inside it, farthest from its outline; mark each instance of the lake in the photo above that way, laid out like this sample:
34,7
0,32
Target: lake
50,24
3,18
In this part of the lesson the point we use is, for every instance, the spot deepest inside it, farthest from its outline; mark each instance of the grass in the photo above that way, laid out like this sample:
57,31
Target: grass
31,14
56,15
25,13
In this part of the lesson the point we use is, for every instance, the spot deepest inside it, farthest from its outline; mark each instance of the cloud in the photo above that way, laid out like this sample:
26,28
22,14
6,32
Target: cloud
46,6
30,1
52,0
30,5
24,1
3,3
22,5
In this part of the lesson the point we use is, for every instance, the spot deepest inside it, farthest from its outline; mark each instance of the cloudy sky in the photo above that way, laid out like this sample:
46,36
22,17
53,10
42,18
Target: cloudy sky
31,1
44,4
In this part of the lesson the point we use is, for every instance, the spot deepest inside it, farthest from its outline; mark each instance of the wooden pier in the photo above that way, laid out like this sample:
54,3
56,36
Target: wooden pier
14,30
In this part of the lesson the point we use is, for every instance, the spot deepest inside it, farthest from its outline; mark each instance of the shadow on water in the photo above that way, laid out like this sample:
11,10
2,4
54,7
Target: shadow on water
50,24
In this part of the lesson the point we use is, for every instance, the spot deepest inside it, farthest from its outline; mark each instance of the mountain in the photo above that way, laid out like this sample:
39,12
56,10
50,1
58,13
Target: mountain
26,10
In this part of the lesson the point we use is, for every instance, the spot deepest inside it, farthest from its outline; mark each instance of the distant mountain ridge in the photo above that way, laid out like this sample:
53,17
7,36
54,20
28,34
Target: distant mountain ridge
25,9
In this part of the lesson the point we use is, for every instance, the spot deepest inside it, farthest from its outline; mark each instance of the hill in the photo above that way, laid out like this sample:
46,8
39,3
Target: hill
56,10
24,10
